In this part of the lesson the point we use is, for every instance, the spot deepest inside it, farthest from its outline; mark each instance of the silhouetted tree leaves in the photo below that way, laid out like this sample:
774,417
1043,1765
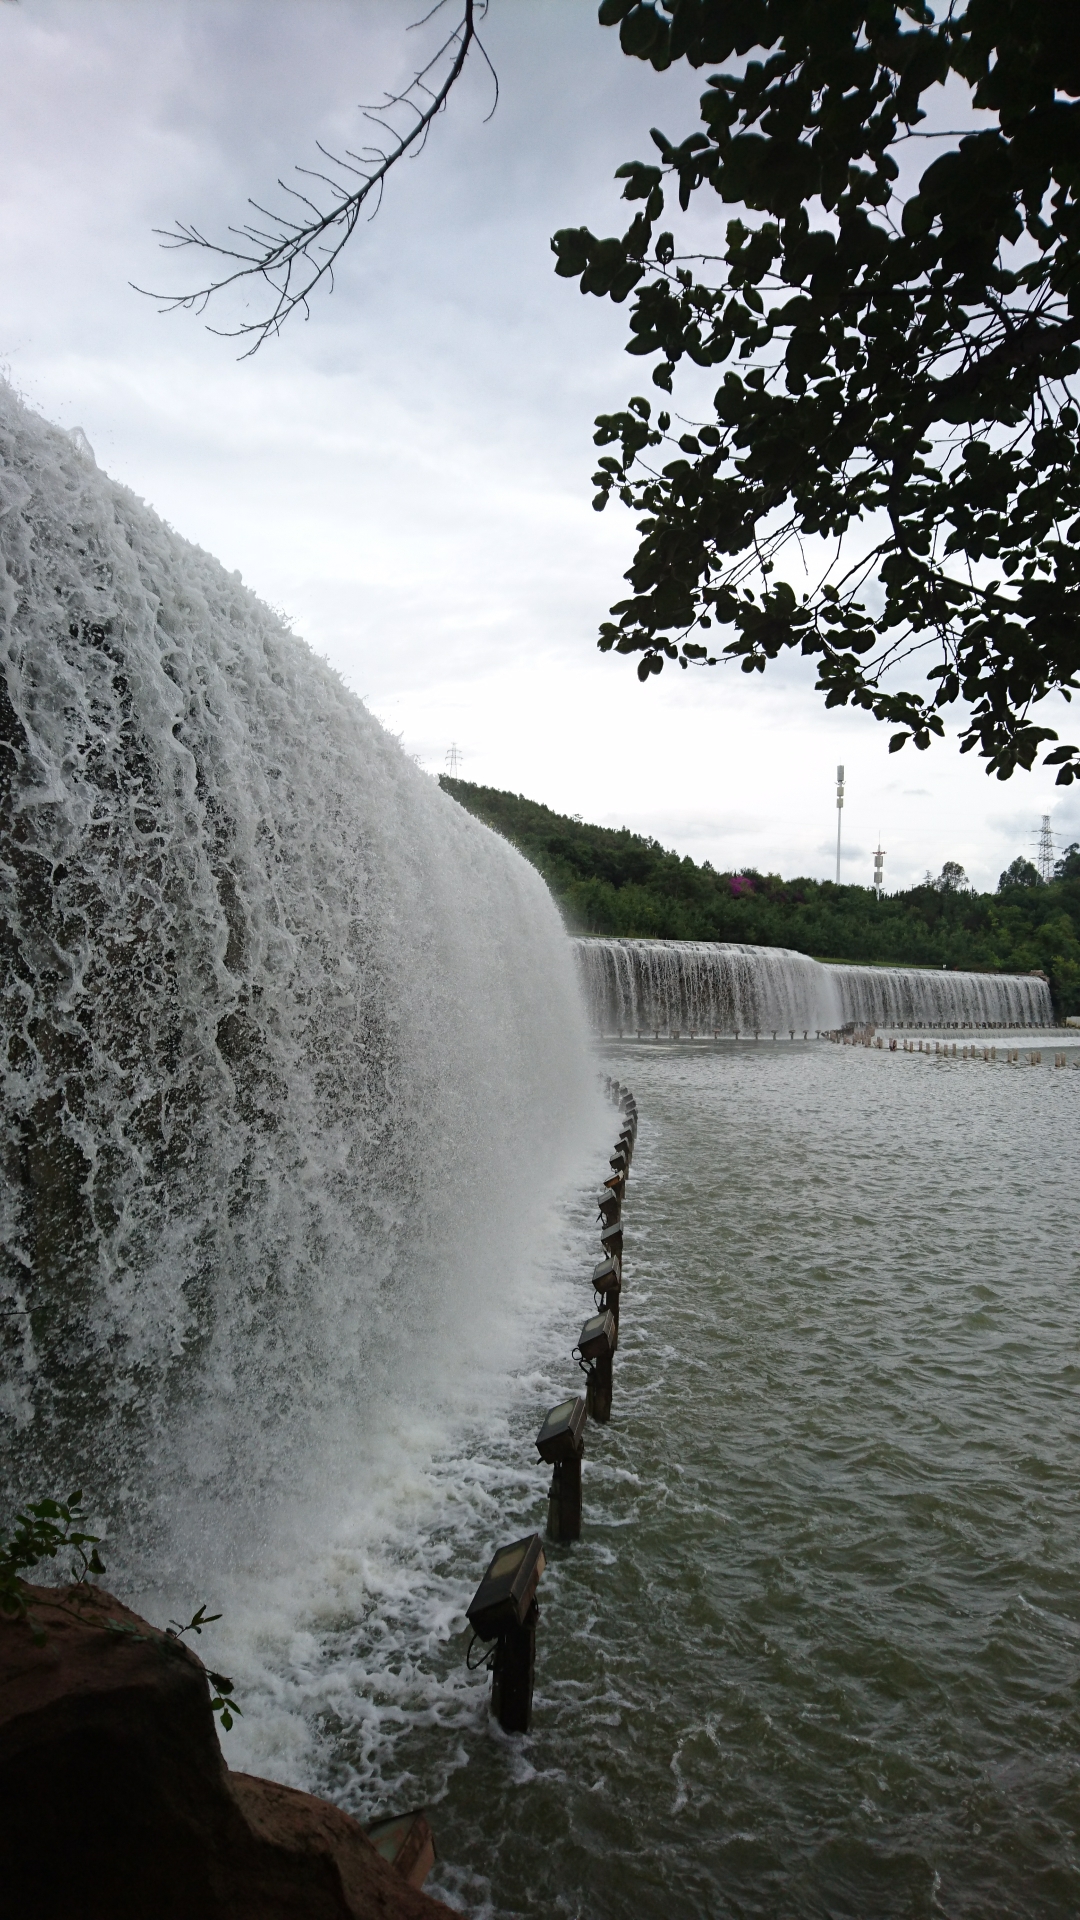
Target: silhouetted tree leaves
899,373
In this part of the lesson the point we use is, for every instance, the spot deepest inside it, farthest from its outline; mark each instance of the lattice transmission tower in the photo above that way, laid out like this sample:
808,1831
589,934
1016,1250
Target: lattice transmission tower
453,760
1044,858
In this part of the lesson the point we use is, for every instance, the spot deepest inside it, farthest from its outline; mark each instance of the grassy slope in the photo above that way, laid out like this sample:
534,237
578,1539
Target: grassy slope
608,880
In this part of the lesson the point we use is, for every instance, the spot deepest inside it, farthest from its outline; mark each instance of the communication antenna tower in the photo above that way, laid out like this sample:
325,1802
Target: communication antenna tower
839,816
879,861
453,760
1044,859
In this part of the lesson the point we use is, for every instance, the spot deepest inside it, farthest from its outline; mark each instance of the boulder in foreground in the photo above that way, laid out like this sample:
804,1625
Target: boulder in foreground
118,1804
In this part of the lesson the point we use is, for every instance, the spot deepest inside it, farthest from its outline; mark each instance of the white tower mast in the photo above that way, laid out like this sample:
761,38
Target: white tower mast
1046,850
879,861
839,816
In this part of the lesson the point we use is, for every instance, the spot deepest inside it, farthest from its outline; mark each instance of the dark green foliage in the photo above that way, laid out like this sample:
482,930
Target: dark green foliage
49,1527
45,1529
220,1702
1020,874
899,371
610,881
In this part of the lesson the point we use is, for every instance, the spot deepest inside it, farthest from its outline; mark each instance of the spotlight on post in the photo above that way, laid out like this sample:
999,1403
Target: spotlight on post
561,1440
596,1344
607,1286
504,1609
609,1205
611,1238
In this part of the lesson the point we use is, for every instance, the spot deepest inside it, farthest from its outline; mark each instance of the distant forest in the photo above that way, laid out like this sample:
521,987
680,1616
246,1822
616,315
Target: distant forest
609,880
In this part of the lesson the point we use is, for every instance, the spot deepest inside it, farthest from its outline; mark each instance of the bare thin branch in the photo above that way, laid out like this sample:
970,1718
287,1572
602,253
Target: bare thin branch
294,256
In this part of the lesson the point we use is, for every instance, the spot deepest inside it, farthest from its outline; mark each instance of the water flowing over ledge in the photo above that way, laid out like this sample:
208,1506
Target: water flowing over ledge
710,986
280,1025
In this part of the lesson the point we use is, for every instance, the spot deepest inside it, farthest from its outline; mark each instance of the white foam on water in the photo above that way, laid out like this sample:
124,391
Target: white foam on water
351,1664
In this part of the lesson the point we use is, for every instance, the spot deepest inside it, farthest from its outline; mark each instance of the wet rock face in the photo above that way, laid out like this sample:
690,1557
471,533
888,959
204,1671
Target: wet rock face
118,1805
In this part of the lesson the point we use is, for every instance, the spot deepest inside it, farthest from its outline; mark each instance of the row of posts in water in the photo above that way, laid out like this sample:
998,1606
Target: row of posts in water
504,1609
868,1037
755,1033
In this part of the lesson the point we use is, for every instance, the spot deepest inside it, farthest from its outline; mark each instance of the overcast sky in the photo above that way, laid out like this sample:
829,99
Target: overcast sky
406,475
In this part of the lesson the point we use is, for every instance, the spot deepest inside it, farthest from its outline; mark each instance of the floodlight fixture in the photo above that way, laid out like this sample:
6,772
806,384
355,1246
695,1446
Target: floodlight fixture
504,1609
561,1440
611,1238
596,1344
507,1589
609,1205
607,1287
607,1274
597,1336
562,1432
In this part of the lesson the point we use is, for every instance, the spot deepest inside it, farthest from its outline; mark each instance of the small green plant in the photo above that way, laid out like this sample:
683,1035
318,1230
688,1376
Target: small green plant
49,1527
46,1528
220,1704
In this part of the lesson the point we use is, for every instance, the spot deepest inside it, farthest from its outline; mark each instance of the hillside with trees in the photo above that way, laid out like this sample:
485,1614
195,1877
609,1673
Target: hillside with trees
610,881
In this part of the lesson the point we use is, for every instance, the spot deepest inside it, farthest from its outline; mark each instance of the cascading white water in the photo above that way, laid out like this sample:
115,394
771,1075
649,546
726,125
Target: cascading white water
282,1027
703,985
699,985
912,996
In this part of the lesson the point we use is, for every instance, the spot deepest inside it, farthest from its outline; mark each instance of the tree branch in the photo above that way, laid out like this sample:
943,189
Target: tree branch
293,257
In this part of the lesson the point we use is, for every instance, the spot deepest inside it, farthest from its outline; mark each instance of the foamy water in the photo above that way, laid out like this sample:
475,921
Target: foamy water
818,1650
294,1060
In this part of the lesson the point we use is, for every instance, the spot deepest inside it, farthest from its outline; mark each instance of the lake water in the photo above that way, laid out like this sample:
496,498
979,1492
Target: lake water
818,1650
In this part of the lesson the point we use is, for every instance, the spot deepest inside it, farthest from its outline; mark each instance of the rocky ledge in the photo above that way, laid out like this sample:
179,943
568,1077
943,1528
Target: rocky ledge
117,1802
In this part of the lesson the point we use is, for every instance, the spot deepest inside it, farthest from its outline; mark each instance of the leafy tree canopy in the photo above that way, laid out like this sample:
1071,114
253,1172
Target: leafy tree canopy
952,878
1020,874
900,349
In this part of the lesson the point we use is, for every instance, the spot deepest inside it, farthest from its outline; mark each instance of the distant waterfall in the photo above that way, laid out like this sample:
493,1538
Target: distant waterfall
705,986
280,1026
911,996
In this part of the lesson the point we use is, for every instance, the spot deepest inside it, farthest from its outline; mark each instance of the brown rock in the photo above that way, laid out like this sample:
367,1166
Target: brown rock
116,1803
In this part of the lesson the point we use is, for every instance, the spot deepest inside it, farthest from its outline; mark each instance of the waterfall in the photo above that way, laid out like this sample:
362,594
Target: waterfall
707,986
914,997
702,985
282,1026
